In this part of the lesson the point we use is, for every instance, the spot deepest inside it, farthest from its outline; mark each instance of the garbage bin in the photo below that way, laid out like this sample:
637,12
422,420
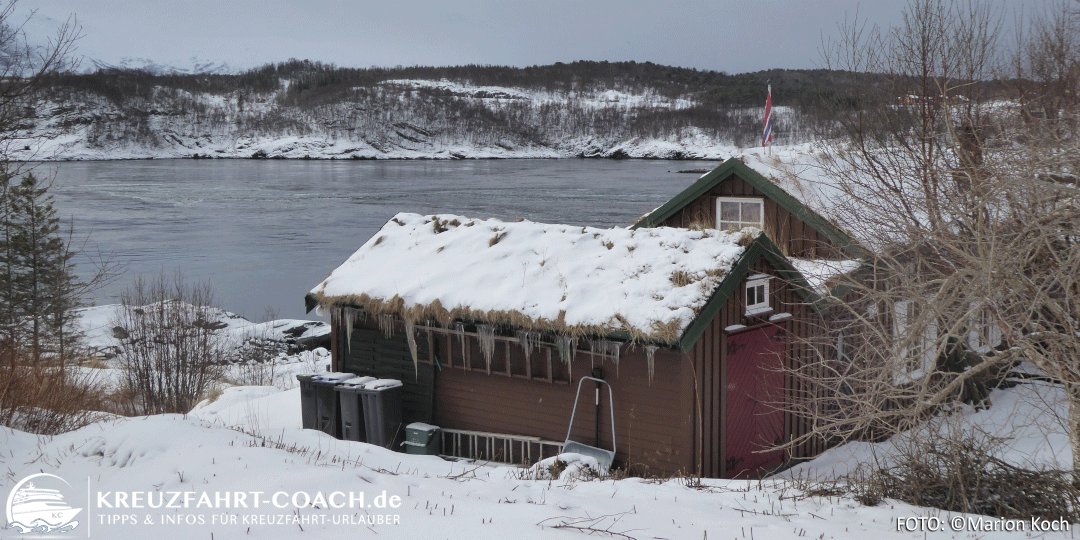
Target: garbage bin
328,419
352,410
421,438
307,401
382,410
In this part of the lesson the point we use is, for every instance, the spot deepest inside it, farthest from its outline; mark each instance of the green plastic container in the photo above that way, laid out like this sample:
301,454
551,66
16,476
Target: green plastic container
422,439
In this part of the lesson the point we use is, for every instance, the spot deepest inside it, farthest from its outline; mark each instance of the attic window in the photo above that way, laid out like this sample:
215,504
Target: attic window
738,212
757,295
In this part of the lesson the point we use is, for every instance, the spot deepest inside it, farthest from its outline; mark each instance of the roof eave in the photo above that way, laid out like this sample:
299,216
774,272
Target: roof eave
311,301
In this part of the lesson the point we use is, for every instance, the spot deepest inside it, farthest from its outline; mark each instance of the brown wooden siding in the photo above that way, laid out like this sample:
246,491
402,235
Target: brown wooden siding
709,361
650,420
793,236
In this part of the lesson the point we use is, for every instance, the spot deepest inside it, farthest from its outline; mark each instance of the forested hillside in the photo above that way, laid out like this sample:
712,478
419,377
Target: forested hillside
303,109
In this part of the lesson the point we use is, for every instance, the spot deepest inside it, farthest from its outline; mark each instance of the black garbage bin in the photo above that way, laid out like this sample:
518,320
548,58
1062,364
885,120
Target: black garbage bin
308,407
328,419
352,410
382,410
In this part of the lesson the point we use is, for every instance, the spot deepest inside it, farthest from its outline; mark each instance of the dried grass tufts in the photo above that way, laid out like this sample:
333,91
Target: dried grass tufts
681,278
666,333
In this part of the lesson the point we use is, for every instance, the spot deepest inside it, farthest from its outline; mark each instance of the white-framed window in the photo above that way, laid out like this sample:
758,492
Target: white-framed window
738,212
984,334
757,294
917,353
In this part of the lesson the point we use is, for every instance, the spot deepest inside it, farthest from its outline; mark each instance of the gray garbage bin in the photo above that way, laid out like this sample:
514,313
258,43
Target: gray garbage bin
352,410
328,417
308,408
382,410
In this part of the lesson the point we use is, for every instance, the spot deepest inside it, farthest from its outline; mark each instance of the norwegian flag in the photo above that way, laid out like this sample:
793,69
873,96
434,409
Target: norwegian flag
766,137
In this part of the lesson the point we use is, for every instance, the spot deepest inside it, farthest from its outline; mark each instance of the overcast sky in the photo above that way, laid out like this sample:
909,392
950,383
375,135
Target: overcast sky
727,35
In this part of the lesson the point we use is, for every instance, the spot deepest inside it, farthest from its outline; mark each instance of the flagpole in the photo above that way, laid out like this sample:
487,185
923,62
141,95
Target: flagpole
766,134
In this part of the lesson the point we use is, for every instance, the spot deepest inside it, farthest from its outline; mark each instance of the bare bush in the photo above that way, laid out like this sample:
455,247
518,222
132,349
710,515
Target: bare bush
46,398
170,348
963,473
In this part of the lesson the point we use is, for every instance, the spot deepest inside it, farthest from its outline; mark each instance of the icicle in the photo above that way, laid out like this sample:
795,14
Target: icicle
650,352
567,349
486,335
386,324
611,349
523,340
410,331
528,341
615,355
460,329
347,316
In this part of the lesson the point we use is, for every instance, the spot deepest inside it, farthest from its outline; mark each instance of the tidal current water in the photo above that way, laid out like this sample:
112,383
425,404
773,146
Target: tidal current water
264,232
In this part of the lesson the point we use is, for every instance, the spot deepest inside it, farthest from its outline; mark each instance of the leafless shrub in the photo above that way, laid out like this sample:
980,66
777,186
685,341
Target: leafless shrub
46,397
172,353
963,474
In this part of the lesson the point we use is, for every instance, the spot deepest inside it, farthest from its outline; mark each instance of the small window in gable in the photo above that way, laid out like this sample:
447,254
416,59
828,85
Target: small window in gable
738,212
757,294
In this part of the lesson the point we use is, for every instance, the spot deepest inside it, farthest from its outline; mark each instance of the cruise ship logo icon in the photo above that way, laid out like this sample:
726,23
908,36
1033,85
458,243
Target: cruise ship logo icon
34,509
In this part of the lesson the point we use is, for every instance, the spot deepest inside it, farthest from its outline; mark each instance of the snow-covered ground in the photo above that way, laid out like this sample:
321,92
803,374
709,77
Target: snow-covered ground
298,483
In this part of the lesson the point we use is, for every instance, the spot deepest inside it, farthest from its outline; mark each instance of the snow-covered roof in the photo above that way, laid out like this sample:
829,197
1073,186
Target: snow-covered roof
647,283
799,171
822,274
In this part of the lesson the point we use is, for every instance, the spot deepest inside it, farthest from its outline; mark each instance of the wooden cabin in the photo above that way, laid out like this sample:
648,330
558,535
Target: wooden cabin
492,325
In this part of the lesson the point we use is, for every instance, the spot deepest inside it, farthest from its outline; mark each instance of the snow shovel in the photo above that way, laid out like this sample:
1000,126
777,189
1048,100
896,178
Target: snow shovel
603,457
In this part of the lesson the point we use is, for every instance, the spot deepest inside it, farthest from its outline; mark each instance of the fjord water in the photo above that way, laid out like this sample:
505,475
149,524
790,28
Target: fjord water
264,232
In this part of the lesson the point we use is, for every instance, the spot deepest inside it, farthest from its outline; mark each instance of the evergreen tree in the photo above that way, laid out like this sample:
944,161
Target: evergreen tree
38,285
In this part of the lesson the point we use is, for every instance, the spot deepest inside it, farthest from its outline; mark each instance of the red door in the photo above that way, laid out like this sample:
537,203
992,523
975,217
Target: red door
755,393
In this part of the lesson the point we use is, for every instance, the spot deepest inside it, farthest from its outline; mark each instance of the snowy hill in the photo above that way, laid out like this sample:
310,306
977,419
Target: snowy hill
306,110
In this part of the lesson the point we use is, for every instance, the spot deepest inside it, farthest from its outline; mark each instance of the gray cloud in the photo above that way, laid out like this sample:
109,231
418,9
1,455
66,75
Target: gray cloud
729,35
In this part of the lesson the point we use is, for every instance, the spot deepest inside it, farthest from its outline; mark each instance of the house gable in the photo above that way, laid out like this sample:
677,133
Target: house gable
799,231
761,247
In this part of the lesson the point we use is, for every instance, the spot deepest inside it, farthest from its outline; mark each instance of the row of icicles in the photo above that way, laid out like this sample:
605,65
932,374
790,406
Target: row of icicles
566,345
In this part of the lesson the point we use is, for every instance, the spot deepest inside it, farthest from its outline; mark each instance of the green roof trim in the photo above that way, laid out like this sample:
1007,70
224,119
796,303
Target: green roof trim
762,246
735,167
